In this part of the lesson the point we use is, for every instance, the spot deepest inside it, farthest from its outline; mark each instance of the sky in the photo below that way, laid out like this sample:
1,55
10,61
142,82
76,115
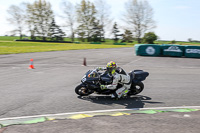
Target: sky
175,19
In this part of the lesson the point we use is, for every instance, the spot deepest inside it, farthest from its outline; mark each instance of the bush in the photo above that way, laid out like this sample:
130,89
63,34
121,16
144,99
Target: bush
150,37
173,42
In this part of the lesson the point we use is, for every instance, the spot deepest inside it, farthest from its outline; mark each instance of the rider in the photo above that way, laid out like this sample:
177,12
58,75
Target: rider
119,76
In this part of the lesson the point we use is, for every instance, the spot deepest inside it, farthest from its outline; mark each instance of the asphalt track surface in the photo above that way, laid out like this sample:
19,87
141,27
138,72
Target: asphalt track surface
139,123
49,89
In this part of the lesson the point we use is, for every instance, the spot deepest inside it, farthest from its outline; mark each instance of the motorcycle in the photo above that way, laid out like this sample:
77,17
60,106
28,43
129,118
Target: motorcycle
93,79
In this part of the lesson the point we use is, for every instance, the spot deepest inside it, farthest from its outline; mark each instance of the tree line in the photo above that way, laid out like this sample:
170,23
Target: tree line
87,21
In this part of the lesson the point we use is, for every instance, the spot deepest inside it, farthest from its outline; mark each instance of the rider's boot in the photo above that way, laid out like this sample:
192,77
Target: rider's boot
125,93
114,95
120,92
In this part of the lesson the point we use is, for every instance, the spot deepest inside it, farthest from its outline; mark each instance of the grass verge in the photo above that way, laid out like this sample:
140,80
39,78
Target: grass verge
13,47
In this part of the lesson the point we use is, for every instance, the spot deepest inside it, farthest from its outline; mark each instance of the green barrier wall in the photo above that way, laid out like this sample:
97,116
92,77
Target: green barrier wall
119,43
192,51
147,49
172,50
77,42
95,43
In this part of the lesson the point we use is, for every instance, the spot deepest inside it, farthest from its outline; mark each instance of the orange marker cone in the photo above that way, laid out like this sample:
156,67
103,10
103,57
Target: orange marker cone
31,65
84,62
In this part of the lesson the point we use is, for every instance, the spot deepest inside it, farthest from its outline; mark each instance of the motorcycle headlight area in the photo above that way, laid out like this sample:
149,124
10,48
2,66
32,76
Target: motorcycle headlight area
84,78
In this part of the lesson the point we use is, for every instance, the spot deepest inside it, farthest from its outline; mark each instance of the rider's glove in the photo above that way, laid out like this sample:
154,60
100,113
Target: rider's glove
99,68
103,87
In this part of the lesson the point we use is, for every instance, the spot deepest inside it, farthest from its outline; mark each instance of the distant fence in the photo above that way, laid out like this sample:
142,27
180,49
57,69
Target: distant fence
45,41
167,50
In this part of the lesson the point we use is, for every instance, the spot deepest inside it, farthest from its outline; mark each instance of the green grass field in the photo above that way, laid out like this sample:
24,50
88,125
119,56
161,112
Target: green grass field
9,46
8,38
12,47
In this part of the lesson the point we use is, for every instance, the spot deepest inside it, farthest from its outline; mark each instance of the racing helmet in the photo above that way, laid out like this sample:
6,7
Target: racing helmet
111,67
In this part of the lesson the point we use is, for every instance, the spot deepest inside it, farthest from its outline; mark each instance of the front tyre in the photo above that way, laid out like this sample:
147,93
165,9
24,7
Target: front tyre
136,88
82,90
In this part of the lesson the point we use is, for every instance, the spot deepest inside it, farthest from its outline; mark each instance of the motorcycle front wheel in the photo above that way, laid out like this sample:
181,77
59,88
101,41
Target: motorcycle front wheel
82,90
136,88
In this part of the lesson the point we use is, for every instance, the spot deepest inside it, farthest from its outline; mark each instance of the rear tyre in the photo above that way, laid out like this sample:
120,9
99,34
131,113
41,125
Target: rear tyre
82,91
136,88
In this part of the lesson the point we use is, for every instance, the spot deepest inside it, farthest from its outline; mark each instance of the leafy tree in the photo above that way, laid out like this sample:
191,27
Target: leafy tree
81,34
86,17
127,36
103,15
116,31
17,18
40,16
55,33
97,32
189,39
150,37
70,17
139,17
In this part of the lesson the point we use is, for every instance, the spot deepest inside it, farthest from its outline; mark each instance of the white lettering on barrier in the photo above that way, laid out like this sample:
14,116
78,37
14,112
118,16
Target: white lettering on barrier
193,51
150,50
173,49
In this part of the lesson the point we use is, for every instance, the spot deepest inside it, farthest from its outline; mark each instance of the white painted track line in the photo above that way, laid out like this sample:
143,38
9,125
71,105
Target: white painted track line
99,111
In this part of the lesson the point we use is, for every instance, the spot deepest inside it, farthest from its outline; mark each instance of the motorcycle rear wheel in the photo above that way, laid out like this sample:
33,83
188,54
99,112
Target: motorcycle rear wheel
82,91
136,89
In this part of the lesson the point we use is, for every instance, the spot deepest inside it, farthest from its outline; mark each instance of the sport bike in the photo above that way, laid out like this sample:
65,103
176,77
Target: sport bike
93,79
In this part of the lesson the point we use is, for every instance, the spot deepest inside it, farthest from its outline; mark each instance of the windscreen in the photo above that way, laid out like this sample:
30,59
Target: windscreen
93,74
